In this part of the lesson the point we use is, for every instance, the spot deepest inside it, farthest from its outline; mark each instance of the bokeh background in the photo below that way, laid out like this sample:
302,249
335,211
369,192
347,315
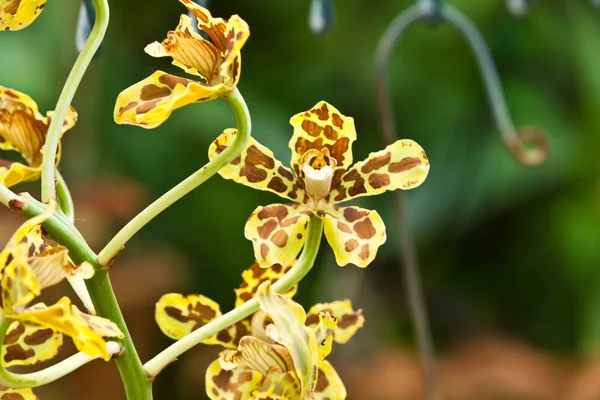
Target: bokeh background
509,255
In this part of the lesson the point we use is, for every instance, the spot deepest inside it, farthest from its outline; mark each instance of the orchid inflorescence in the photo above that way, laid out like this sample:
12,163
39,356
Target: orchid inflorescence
273,348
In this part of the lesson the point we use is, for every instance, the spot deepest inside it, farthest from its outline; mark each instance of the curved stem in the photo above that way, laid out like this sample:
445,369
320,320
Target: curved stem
8,197
50,374
66,96
410,265
242,116
64,197
513,139
291,278
136,382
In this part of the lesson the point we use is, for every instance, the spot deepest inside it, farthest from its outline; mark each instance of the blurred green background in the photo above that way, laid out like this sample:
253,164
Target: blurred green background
506,252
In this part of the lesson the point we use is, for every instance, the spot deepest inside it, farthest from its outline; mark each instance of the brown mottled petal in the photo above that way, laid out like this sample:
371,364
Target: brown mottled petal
323,126
354,234
28,345
150,102
277,232
178,315
19,14
234,384
329,384
402,165
348,320
255,275
257,355
279,386
7,393
19,286
256,167
189,50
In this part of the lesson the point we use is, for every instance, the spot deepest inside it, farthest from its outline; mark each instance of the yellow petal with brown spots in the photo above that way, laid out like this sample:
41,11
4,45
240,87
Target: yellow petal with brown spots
256,167
255,275
402,165
354,234
228,37
323,127
230,385
65,318
348,320
53,265
277,232
19,286
324,331
28,345
151,101
279,386
178,315
258,355
289,319
19,14
7,393
192,53
329,385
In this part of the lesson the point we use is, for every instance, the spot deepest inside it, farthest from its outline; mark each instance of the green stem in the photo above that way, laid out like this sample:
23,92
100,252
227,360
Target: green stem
242,116
300,269
66,97
47,375
64,197
137,384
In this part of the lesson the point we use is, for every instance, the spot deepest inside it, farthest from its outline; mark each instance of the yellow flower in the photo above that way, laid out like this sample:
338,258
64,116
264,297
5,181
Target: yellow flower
23,129
294,343
322,177
29,264
19,14
217,61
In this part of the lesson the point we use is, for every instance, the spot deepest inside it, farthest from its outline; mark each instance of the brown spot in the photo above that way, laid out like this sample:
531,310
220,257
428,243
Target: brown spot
255,157
16,352
279,212
151,92
290,221
266,229
311,127
176,314
172,80
404,165
352,214
299,236
343,227
223,379
244,377
376,162
11,94
14,335
330,133
224,336
129,106
17,205
351,245
12,396
312,319
264,251
349,319
245,296
365,229
337,121
204,312
38,337
277,185
280,238
286,173
145,107
276,268
12,7
379,180
364,252
322,113
322,382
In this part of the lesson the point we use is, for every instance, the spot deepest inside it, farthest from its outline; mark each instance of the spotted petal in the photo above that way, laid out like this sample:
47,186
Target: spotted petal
15,14
228,37
19,286
354,234
323,126
178,315
259,356
289,318
65,318
230,384
402,165
27,345
329,385
348,320
256,167
255,275
279,386
277,232
7,393
53,265
151,101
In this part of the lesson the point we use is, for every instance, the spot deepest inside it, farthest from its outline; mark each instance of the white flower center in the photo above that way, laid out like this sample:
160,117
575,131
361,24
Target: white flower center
318,172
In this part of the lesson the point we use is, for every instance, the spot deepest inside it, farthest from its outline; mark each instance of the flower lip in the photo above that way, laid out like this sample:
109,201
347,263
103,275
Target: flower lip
318,166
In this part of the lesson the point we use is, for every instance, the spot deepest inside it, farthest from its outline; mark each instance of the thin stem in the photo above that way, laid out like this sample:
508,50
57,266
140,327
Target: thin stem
136,383
300,269
514,139
47,375
242,116
7,196
66,97
412,278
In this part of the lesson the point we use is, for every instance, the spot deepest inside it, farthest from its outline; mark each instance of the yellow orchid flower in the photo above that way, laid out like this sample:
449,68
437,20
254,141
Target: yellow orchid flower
19,14
23,129
322,177
29,264
217,61
266,334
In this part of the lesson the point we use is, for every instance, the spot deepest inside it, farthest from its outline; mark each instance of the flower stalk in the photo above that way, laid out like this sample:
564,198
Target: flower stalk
64,101
300,269
242,116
